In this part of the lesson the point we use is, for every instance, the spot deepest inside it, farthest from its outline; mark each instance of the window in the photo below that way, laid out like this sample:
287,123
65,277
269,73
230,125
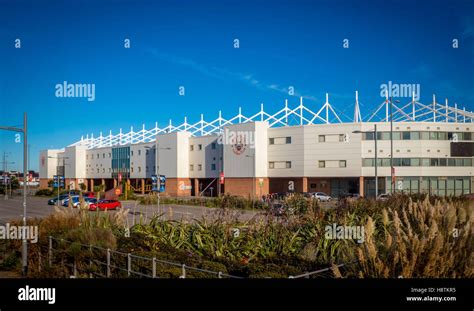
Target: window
415,135
288,140
341,137
146,151
191,147
271,141
368,162
139,169
271,164
103,170
467,162
131,153
110,155
213,146
406,162
385,136
110,169
191,167
443,162
98,156
406,135
139,152
467,136
342,163
97,171
131,169
397,135
459,162
424,135
386,162
451,162
433,135
87,157
199,167
415,162
369,136
146,169
213,167
322,164
92,156
434,162
322,138
103,155
425,162
200,147
442,136
288,164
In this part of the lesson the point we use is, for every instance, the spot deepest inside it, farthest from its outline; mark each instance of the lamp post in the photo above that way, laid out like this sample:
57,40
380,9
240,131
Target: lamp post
376,158
157,167
23,130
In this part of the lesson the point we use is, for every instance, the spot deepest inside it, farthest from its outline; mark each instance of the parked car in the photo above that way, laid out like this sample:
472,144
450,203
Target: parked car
76,201
105,204
53,201
322,197
383,197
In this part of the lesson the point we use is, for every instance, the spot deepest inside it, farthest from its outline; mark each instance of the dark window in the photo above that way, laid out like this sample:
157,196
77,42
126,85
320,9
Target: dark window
406,135
434,162
271,141
288,140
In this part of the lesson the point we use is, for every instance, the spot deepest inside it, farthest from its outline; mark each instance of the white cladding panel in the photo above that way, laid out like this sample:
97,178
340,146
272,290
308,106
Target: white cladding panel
173,154
247,156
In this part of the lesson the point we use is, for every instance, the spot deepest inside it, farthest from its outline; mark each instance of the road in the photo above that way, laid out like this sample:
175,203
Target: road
12,209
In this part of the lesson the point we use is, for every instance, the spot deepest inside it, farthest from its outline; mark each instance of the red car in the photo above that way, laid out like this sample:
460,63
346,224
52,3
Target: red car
105,204
88,194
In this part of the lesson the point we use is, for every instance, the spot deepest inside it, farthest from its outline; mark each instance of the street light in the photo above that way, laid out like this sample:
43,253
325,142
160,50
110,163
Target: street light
376,175
157,148
57,174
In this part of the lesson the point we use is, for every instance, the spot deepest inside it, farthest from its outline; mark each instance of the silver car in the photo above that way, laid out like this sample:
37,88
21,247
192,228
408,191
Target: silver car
322,197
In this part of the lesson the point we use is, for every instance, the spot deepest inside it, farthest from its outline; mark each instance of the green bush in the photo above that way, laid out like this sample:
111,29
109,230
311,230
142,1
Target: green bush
44,192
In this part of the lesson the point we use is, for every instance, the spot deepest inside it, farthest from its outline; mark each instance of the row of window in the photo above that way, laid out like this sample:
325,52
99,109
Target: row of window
139,169
279,140
455,136
418,162
199,167
199,147
321,164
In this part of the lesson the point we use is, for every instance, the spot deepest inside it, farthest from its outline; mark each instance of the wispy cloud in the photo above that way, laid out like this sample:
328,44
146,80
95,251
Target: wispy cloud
224,74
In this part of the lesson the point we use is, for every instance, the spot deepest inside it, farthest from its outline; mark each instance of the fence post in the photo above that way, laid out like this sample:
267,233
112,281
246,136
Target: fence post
219,275
108,262
129,264
183,271
50,251
154,268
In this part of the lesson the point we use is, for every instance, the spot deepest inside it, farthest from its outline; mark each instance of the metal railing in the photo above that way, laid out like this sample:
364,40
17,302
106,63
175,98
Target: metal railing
120,264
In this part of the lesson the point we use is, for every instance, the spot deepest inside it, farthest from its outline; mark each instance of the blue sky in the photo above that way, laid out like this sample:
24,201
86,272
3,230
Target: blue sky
190,44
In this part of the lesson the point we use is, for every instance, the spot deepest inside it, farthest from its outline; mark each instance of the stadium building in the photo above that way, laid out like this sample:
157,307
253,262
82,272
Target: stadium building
295,149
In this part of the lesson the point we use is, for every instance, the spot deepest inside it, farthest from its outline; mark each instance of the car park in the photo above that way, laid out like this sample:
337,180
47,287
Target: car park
54,201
